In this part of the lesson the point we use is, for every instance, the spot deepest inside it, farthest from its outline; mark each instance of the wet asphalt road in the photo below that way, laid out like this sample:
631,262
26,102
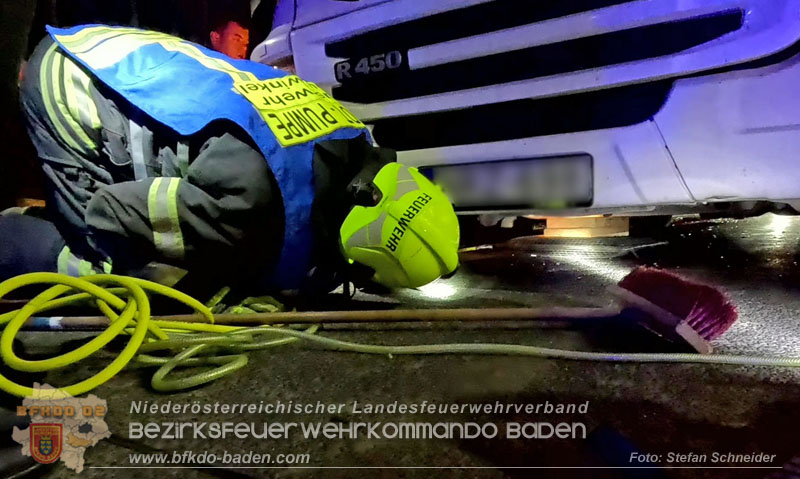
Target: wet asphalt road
656,408
754,261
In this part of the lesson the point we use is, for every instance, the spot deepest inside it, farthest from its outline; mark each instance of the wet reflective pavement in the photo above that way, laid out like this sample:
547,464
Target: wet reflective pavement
754,261
655,408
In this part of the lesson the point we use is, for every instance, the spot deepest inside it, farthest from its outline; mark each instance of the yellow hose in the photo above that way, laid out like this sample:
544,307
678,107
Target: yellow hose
127,295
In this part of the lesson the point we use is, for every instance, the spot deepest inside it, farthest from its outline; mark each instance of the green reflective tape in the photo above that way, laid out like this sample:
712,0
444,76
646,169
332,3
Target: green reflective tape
162,207
80,105
172,195
159,221
65,95
48,83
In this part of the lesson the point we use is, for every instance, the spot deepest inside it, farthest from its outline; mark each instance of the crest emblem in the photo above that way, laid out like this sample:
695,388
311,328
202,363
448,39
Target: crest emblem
46,442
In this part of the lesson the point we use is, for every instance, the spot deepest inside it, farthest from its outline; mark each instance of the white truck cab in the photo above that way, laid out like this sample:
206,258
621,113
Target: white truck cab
580,107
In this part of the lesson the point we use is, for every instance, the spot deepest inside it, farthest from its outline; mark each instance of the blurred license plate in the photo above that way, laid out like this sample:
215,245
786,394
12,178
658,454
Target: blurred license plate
541,183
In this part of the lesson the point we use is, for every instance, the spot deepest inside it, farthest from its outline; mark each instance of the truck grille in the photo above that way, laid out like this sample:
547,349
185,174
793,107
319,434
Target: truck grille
568,56
461,23
609,108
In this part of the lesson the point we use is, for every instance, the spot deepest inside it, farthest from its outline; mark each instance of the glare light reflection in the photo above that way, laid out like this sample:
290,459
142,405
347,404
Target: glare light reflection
779,224
438,290
586,258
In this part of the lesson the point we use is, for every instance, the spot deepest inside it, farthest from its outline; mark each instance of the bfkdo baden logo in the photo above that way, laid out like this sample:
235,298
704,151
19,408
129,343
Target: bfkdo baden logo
46,442
62,427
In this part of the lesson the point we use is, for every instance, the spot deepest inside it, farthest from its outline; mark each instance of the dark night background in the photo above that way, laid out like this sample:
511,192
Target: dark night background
22,25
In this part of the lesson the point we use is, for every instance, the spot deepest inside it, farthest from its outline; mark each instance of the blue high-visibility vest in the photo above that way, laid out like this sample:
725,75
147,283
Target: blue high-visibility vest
186,86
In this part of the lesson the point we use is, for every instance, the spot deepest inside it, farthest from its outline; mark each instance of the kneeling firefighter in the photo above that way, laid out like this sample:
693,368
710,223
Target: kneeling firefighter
162,157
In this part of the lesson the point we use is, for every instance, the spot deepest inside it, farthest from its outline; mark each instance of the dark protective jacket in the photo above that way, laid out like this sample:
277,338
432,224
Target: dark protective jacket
124,183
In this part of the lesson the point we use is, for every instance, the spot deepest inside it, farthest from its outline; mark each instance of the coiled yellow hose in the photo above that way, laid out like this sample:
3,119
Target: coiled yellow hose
226,347
146,335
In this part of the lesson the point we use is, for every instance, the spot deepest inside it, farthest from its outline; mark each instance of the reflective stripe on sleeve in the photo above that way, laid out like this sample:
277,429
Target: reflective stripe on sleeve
183,159
66,96
82,107
50,85
139,144
162,207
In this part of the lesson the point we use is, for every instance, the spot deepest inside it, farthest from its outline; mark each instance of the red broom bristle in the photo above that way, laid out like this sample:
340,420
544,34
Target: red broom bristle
706,309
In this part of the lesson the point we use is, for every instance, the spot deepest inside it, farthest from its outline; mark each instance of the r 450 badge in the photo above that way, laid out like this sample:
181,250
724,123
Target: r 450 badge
347,69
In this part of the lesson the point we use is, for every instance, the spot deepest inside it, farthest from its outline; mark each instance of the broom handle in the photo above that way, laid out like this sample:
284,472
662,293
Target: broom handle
389,315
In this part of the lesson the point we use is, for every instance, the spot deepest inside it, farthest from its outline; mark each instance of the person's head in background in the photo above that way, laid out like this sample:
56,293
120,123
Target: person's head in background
230,29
